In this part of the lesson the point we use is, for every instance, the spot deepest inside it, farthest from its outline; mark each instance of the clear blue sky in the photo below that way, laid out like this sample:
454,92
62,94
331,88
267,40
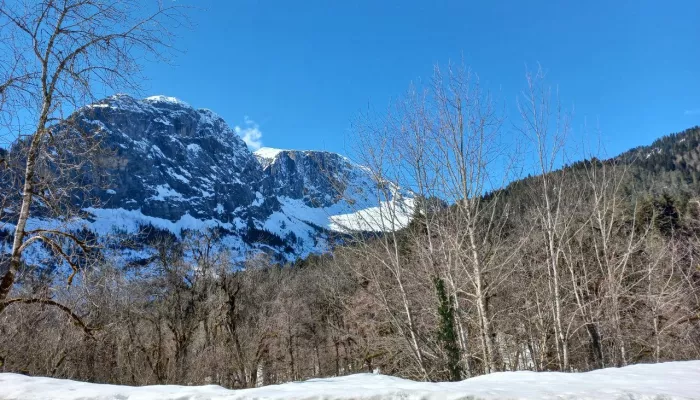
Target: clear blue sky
302,70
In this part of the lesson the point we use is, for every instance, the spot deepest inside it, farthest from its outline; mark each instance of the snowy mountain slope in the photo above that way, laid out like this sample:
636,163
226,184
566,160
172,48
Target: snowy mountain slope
330,191
175,168
670,381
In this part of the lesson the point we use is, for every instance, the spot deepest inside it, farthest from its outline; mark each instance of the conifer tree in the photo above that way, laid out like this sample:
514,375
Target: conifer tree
446,331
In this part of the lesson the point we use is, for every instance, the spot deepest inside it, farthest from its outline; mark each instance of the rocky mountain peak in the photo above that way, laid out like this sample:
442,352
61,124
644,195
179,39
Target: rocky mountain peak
173,167
169,159
319,178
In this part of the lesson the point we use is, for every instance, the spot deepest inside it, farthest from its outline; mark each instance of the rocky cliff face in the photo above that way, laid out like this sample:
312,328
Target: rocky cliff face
319,179
170,159
174,167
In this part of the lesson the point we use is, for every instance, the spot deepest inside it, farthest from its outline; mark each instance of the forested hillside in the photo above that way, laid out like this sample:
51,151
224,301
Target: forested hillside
672,161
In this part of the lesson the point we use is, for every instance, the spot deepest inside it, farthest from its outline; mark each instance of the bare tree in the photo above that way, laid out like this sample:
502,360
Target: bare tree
441,145
472,163
546,127
63,51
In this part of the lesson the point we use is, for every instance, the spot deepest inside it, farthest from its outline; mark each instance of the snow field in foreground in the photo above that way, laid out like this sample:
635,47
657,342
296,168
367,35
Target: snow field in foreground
672,380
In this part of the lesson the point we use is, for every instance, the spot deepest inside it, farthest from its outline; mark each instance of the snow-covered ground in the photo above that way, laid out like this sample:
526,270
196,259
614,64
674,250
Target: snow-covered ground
673,380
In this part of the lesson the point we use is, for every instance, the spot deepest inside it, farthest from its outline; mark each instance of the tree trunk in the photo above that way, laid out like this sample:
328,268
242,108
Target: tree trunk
8,279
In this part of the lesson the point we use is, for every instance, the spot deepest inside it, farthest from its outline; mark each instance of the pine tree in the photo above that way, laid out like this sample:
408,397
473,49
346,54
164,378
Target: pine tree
446,331
667,219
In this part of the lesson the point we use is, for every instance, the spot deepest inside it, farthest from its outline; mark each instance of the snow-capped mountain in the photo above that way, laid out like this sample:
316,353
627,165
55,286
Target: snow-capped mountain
170,160
175,167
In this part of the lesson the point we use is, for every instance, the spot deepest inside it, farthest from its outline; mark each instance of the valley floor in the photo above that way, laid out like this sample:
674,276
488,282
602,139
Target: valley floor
671,380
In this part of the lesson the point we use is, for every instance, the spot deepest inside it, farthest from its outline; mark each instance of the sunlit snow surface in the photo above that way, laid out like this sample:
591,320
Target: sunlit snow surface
165,99
673,380
267,153
388,216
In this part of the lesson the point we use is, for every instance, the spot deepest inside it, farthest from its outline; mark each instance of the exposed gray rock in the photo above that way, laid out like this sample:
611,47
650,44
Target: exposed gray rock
169,161
316,177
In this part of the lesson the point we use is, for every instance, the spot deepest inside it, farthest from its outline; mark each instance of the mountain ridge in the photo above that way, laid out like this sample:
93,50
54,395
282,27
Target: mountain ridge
173,167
